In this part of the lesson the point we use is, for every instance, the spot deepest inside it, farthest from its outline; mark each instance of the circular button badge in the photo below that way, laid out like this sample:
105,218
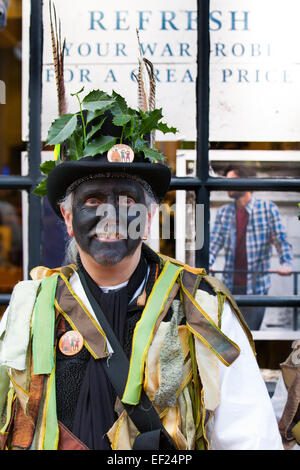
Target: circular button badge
70,343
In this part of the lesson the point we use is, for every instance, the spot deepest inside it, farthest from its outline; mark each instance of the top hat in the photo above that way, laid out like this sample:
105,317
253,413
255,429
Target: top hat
107,155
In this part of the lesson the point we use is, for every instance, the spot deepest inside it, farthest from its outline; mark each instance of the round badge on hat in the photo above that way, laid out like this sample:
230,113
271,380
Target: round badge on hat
120,153
71,343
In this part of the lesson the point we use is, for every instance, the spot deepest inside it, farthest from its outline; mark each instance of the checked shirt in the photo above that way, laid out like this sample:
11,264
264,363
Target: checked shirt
264,229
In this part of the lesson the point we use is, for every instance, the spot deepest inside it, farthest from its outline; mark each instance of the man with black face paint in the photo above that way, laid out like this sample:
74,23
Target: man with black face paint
97,221
121,328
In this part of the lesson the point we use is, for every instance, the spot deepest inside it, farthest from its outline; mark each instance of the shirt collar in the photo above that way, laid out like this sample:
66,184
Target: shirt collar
250,205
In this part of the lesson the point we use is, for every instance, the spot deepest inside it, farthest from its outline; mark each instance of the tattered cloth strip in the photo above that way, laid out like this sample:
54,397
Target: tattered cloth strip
171,361
205,329
25,421
14,345
288,419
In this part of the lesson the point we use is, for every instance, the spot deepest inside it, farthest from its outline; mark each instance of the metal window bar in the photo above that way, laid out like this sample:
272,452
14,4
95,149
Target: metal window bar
202,184
268,300
30,181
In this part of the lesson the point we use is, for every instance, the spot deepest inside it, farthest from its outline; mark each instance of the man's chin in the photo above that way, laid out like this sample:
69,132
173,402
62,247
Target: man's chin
111,254
108,259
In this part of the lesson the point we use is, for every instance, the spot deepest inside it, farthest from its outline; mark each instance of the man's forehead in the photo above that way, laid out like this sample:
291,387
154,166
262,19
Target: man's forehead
104,185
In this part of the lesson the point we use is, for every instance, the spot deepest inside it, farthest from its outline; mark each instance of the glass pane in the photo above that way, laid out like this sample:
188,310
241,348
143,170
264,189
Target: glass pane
11,261
254,112
279,160
254,248
10,91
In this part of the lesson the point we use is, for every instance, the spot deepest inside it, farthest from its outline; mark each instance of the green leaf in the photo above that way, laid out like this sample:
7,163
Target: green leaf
140,144
75,150
120,106
99,146
91,115
47,166
77,92
61,129
153,155
95,129
121,119
97,100
166,129
149,121
41,189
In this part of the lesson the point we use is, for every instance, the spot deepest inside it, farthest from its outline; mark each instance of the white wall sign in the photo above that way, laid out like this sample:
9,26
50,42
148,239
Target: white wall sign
254,65
255,70
102,52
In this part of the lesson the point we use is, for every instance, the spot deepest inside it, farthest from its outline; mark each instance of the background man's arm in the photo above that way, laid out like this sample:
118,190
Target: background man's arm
280,241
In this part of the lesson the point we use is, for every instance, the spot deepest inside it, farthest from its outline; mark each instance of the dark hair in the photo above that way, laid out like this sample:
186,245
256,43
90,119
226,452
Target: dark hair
241,170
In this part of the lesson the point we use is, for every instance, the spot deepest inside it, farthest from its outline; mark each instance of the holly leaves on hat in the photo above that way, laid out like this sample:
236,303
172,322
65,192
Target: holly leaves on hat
77,135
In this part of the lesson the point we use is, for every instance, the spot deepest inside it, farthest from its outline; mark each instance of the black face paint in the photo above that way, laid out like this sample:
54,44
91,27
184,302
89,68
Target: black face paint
90,217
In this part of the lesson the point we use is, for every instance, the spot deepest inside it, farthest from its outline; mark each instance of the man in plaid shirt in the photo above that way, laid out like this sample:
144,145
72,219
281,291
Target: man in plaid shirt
247,229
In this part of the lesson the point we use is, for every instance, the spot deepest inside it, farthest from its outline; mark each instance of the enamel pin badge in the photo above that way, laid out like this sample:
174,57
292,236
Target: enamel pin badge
71,343
120,153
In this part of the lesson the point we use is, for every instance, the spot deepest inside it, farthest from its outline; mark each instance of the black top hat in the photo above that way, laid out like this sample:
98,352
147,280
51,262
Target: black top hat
106,136
119,158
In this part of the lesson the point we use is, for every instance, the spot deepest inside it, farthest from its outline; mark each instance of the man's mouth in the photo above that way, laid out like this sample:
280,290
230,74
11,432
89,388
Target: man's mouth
108,237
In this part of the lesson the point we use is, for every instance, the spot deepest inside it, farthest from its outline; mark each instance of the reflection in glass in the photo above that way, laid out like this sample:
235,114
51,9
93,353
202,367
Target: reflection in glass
11,270
254,244
10,104
269,160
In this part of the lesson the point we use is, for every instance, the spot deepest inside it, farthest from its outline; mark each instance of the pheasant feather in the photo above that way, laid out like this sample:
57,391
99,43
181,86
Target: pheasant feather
58,51
152,84
142,95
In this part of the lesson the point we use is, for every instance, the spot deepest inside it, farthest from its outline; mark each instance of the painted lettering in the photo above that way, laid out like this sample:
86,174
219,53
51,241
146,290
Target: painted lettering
245,76
167,49
120,49
243,20
167,18
238,49
227,73
68,47
121,20
171,75
242,76
84,49
151,48
102,49
110,77
187,77
143,18
215,24
96,18
84,75
184,46
192,20
219,48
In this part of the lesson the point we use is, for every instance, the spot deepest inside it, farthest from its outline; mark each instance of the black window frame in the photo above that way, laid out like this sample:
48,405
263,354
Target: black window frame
202,184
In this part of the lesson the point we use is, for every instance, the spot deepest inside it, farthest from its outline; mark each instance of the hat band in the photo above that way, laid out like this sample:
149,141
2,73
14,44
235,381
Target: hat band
84,179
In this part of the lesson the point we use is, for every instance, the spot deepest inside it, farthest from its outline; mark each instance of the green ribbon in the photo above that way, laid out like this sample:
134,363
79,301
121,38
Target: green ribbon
43,327
143,332
43,355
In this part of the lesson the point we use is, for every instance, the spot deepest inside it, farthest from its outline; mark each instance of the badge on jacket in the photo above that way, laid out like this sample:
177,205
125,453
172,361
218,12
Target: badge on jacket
71,343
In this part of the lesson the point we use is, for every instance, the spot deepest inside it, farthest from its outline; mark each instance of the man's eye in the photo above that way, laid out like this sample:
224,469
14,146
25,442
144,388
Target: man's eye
126,201
92,202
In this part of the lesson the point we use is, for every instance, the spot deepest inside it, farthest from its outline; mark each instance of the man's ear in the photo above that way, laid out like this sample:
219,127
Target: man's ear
68,220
